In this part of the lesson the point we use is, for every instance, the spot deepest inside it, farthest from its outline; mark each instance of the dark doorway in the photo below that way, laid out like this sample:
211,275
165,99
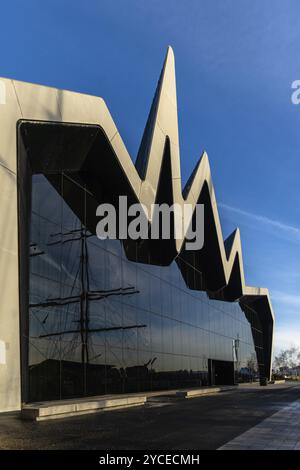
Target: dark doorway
221,372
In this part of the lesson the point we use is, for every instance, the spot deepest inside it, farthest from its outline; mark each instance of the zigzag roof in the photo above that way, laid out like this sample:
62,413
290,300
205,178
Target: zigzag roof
220,262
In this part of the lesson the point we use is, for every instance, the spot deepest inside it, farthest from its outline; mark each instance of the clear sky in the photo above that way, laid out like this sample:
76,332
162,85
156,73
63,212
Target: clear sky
235,62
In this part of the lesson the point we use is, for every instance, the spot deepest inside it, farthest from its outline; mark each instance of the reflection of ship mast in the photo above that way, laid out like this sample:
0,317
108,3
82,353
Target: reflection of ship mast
84,297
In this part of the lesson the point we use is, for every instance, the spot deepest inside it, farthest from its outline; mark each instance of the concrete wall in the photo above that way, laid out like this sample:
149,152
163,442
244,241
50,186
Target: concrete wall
19,100
9,288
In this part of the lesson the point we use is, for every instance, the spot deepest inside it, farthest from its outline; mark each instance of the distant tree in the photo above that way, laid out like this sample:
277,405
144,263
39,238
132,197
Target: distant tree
287,358
252,363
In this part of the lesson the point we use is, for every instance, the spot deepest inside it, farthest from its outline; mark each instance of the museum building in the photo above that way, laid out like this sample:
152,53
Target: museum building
80,316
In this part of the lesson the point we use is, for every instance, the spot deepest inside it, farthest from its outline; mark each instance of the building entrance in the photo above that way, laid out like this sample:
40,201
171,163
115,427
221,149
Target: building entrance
221,372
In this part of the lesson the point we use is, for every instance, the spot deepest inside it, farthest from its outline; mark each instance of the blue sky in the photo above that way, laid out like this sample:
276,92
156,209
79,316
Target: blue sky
235,63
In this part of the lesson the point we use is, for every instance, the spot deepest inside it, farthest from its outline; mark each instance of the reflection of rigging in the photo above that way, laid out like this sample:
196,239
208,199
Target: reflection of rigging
85,296
94,330
93,295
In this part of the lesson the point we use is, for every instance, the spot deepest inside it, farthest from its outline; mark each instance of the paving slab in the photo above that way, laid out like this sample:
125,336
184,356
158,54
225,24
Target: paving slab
281,431
198,392
67,408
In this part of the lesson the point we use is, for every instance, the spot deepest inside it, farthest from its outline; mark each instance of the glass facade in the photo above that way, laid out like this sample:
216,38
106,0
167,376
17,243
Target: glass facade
100,324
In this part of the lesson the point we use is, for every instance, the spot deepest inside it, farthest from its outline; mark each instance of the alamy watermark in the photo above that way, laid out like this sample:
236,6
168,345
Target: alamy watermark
166,222
295,96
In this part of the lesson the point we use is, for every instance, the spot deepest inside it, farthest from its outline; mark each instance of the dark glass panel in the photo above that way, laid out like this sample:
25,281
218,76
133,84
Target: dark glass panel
99,323
156,333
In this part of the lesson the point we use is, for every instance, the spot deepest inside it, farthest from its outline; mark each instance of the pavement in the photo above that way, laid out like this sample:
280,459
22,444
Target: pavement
208,422
279,432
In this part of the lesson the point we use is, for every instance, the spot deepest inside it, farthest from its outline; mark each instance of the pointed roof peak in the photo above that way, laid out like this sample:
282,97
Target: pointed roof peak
169,59
230,240
170,52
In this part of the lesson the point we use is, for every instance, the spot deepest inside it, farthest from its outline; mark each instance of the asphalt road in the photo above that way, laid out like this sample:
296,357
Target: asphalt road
198,423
